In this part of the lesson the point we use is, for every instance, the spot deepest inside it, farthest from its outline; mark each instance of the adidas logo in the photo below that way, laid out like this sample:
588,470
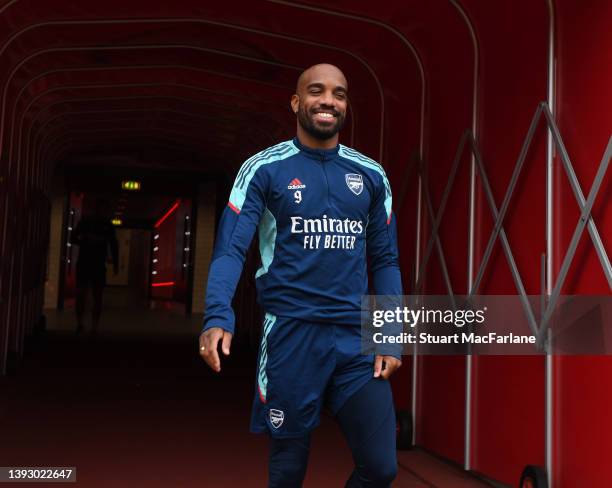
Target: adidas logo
296,184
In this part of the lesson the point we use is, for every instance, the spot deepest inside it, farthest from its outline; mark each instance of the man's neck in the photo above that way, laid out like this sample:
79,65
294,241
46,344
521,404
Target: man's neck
312,142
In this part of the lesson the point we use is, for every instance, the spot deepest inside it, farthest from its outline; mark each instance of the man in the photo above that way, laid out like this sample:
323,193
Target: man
319,206
95,236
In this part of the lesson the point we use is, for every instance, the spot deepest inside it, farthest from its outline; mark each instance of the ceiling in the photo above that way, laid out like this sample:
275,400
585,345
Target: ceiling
195,85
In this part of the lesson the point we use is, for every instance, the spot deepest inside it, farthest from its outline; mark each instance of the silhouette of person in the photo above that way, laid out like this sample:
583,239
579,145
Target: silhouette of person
95,236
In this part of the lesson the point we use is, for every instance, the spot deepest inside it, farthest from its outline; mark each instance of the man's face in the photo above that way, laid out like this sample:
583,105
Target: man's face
321,102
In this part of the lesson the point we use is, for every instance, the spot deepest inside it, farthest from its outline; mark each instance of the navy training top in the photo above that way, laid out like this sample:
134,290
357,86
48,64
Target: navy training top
320,215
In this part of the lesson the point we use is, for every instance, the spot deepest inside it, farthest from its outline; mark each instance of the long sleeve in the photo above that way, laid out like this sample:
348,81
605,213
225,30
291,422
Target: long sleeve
235,232
382,243
383,257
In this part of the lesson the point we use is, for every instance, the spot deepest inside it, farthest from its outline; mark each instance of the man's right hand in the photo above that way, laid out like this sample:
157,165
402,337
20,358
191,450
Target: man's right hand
209,341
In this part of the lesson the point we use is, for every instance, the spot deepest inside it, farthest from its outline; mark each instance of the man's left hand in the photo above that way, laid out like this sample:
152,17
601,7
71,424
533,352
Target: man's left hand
390,365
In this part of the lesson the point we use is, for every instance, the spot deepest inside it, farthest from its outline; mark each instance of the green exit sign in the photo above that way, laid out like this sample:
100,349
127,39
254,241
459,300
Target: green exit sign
130,185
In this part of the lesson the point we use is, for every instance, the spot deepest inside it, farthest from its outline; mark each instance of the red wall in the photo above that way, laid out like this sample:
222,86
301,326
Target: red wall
583,425
507,429
382,51
169,265
165,267
445,48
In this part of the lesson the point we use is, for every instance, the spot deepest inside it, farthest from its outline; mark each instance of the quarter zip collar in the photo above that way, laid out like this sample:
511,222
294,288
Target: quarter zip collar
317,154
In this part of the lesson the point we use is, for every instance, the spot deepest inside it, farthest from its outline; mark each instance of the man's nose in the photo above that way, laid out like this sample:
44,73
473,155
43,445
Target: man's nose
327,99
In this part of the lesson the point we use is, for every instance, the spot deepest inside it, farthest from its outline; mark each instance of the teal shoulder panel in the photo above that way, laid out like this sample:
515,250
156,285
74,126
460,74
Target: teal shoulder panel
262,376
357,157
273,154
267,241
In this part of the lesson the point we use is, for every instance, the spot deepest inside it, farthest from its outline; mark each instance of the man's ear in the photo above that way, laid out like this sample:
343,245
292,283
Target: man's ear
295,103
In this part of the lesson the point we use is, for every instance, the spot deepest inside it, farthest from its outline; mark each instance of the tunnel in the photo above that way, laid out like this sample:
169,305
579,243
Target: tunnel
492,121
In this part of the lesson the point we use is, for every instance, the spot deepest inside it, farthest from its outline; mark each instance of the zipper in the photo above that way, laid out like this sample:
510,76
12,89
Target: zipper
326,180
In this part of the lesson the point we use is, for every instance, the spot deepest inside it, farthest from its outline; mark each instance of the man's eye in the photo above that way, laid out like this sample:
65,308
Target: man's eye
315,92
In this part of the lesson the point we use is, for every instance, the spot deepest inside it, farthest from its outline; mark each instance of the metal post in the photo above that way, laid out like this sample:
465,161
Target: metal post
549,293
415,357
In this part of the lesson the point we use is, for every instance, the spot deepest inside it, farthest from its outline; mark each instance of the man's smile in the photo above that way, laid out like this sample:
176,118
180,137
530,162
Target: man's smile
324,116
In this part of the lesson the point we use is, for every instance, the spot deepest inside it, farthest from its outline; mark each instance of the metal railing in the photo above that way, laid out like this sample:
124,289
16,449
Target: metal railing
498,232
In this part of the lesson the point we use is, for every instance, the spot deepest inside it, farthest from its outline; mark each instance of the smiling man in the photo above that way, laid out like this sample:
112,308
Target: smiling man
321,209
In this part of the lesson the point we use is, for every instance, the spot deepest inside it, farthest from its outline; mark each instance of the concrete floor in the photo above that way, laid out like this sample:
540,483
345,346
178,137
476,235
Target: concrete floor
136,407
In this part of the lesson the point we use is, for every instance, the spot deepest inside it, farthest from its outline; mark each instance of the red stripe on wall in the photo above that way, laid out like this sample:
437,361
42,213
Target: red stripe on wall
167,214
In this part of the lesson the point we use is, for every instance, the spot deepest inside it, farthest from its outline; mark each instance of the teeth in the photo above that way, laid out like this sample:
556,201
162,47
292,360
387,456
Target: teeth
325,115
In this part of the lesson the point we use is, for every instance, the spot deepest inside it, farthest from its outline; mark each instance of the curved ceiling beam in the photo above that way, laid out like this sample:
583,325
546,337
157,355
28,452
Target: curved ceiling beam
174,135
70,149
181,86
46,170
61,127
32,138
187,101
114,86
42,75
201,21
110,69
114,48
44,124
76,130
188,128
143,110
147,142
384,26
476,70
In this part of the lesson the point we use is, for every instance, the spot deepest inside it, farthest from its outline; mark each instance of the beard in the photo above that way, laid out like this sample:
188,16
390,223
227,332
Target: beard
320,132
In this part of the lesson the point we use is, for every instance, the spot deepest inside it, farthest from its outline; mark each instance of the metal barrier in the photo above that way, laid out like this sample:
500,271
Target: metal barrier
549,294
498,232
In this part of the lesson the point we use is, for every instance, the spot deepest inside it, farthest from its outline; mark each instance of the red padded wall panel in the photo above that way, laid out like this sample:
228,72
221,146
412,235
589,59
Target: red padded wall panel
583,426
441,405
507,430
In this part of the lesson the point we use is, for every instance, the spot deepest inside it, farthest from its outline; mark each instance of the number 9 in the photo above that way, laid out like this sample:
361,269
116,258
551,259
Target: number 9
298,196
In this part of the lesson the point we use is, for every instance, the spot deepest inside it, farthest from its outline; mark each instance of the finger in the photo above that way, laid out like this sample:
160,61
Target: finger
377,366
391,364
212,359
203,340
210,338
211,355
201,344
227,342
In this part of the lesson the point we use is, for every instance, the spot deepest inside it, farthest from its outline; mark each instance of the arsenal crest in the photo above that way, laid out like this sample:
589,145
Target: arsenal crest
276,417
354,182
